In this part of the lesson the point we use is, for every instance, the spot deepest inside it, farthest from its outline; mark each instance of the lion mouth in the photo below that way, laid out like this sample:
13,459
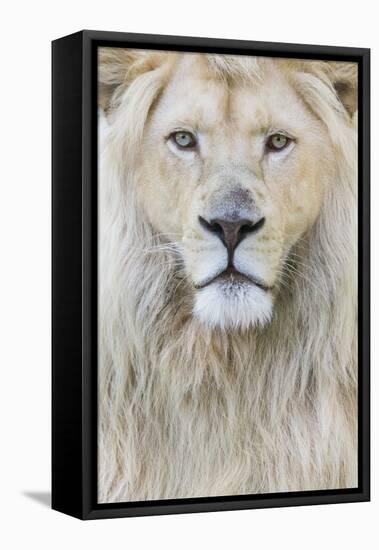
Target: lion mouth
232,276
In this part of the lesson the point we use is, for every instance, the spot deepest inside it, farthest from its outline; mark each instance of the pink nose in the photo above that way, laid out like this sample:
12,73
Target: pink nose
231,232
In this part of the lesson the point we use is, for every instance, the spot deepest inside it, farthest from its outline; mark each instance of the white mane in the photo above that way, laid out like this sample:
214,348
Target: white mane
186,411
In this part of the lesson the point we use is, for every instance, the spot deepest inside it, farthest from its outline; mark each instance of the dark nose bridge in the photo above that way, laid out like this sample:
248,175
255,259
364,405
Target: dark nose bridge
233,196
232,215
231,202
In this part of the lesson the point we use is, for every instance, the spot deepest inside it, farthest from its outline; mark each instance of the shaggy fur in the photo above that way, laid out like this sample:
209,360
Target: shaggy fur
187,410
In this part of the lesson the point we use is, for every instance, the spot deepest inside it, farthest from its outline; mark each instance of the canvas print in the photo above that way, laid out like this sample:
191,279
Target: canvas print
227,275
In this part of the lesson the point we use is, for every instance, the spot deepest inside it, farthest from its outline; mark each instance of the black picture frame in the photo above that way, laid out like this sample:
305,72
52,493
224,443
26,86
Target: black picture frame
74,272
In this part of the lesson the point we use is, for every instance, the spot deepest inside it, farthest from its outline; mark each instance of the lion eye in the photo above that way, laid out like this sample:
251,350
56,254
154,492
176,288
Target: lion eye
184,140
277,142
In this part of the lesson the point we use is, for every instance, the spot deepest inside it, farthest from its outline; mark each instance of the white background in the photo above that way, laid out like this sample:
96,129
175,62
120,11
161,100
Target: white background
27,29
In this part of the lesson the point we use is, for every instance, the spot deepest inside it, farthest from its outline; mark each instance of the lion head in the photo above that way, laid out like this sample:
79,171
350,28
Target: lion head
232,158
227,275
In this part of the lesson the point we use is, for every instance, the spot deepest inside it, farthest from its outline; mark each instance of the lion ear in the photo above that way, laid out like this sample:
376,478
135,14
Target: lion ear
113,66
119,67
344,78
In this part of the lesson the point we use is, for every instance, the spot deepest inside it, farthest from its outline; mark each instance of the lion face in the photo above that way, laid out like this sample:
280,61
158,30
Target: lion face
234,175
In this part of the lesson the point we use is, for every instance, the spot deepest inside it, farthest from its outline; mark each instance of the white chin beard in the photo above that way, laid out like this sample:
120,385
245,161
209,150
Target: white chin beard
233,306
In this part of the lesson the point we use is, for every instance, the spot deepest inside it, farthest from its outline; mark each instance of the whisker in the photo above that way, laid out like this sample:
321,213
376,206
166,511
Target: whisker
294,271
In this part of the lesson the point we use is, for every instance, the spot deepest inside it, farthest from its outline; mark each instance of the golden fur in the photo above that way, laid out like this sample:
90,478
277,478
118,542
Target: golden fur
201,394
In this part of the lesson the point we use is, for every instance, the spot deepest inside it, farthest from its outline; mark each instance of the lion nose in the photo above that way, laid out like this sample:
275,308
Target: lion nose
231,232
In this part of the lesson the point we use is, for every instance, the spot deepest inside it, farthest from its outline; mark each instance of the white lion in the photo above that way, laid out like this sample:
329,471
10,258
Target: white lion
227,275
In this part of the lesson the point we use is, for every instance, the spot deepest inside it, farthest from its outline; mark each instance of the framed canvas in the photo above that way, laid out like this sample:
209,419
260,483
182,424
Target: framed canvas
210,275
